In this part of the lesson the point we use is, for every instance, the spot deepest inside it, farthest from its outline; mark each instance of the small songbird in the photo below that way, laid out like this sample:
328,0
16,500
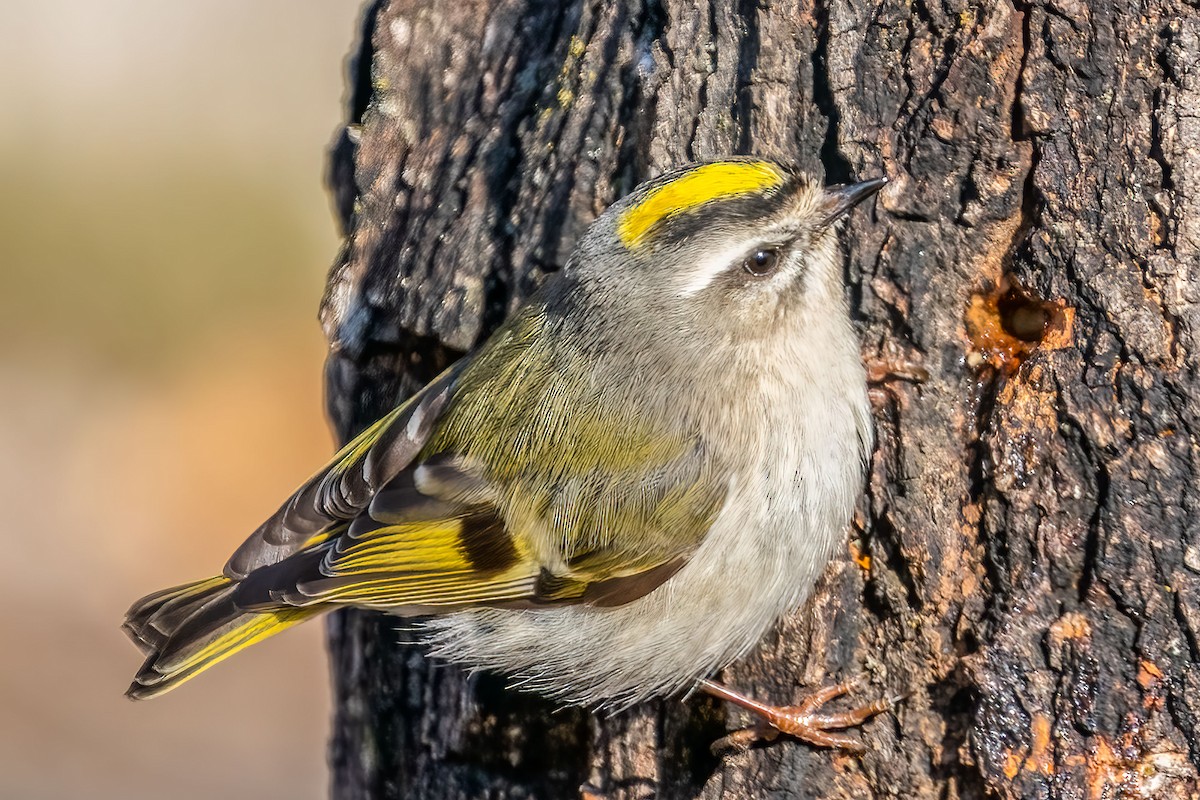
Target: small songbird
619,492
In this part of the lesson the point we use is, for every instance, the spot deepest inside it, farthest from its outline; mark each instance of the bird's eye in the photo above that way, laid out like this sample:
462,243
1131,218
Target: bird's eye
762,261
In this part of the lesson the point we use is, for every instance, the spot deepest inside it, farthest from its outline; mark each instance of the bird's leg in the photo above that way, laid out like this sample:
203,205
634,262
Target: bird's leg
804,721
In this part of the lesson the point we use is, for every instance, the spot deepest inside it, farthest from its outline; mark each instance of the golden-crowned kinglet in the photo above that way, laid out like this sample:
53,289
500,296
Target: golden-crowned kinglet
619,492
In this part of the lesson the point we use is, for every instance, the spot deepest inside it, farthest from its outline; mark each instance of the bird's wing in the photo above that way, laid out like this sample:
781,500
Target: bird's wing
532,486
342,488
441,535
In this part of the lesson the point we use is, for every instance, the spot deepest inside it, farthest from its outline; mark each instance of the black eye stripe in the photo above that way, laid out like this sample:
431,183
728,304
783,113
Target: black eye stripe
761,261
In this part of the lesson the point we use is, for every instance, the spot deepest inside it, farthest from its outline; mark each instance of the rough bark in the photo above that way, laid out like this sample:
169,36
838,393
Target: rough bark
1026,564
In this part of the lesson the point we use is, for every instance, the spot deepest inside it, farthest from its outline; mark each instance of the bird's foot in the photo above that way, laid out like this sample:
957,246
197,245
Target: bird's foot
806,720
884,372
896,368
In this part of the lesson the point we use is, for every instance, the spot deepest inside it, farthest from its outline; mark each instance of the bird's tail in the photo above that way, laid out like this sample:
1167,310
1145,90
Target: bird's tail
186,629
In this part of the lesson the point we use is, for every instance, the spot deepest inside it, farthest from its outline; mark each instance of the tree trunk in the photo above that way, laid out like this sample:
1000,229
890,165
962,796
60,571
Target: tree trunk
1026,563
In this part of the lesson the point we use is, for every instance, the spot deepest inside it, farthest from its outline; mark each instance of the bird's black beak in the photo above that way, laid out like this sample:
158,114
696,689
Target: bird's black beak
840,199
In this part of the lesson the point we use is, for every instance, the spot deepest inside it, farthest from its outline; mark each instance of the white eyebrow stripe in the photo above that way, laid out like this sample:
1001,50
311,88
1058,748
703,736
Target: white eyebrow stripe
705,272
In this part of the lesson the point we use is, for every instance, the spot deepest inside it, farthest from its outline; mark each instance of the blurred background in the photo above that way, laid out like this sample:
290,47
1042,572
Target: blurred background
164,237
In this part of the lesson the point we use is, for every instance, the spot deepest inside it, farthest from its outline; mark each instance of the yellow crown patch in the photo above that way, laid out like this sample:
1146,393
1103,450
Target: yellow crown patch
701,185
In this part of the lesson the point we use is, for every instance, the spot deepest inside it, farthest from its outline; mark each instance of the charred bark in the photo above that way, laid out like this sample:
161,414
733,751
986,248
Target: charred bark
1026,564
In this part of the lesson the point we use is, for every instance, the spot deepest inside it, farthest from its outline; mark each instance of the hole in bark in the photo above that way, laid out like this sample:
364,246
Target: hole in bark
1022,316
1008,322
963,702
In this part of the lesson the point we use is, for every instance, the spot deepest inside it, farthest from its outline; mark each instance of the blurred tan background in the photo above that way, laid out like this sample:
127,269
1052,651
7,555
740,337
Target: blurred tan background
164,236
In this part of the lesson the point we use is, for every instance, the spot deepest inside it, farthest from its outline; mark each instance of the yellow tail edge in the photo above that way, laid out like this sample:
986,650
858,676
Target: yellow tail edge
198,626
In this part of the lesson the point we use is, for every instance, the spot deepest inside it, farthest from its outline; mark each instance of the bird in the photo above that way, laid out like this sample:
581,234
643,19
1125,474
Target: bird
619,492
